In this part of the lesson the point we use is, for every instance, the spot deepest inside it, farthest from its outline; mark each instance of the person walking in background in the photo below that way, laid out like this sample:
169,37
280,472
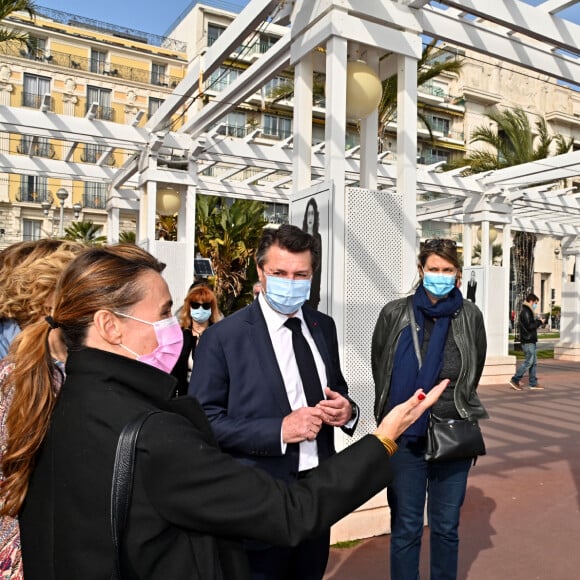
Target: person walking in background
198,313
190,503
528,324
453,346
266,408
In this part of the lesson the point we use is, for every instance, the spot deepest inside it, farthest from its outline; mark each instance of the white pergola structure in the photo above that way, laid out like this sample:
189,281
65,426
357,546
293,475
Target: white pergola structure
322,36
372,208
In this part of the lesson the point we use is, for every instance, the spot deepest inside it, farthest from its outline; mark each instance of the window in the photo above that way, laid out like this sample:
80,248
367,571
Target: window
37,50
33,189
35,87
235,124
434,155
213,33
93,154
36,146
279,127
154,104
95,195
158,76
222,78
267,41
98,61
440,124
279,86
102,98
31,230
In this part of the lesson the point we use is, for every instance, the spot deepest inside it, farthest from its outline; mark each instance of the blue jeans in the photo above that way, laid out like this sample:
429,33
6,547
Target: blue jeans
443,484
530,362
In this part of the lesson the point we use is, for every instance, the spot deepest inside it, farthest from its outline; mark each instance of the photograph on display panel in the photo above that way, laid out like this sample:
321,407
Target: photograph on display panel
310,213
473,285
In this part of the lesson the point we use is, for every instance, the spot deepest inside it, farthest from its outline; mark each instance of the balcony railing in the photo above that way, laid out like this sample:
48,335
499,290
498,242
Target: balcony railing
33,195
35,101
84,64
112,29
94,200
102,113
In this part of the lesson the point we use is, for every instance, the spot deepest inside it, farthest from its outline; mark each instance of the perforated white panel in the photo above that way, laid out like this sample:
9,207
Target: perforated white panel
374,248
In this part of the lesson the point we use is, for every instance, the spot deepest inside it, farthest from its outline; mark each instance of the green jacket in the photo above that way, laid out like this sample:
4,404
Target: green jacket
469,334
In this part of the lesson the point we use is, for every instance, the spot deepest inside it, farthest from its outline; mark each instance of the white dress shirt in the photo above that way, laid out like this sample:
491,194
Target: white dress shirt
281,338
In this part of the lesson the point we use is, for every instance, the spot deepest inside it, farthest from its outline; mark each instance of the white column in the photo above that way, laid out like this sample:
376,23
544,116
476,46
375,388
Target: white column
302,128
335,131
369,147
467,245
407,163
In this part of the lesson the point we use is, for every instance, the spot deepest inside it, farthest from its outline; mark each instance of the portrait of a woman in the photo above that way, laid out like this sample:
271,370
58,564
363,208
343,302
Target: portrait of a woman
311,224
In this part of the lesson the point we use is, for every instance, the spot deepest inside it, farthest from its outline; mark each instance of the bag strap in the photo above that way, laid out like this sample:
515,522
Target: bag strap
122,485
411,313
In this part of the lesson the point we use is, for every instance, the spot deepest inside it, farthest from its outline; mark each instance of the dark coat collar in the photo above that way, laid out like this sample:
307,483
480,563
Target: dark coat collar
103,366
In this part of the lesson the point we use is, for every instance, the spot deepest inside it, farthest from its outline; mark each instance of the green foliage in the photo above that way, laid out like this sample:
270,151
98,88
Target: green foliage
428,68
126,237
496,251
512,141
86,232
228,232
7,7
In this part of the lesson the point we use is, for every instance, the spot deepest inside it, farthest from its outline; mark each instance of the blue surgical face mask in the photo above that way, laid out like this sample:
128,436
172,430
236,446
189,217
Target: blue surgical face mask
439,285
535,305
200,314
286,296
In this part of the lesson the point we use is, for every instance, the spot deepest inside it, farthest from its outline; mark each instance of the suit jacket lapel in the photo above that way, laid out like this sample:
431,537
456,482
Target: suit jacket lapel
269,371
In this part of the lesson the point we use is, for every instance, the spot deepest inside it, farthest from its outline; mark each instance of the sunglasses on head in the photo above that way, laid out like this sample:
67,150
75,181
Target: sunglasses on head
440,243
204,305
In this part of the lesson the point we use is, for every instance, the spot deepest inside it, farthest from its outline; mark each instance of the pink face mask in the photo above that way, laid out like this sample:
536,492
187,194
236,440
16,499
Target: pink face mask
169,343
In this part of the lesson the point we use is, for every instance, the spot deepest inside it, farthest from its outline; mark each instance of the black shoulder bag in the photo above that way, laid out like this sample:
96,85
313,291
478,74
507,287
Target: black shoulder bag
122,487
448,438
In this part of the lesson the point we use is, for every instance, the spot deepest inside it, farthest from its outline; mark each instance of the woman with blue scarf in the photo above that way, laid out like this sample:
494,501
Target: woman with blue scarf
453,346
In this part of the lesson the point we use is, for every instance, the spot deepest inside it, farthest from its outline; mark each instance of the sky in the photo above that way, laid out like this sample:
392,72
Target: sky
156,17
144,15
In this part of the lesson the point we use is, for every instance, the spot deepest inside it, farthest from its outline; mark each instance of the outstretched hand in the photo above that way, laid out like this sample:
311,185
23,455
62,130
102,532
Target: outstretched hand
404,415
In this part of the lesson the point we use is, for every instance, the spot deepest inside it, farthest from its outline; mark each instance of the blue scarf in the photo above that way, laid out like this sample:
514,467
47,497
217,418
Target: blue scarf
406,376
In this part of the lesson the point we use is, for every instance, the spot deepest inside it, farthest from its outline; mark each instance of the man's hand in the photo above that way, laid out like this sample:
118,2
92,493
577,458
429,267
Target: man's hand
302,424
336,408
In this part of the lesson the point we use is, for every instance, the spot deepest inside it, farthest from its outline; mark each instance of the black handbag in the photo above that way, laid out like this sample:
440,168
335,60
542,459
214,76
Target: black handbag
122,486
453,439
448,438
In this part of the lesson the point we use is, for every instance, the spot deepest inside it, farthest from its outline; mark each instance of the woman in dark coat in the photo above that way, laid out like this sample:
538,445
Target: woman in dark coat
191,503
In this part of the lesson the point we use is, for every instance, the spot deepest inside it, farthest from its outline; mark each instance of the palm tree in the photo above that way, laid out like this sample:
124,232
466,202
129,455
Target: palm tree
126,237
511,141
7,7
86,232
428,68
228,233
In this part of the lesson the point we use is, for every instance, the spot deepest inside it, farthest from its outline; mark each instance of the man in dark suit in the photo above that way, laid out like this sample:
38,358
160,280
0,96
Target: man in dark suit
249,377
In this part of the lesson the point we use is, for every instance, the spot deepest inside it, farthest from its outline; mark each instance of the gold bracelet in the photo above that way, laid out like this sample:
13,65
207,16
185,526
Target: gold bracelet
389,444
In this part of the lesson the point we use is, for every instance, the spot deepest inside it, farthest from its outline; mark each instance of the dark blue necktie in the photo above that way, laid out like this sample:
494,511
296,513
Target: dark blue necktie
305,362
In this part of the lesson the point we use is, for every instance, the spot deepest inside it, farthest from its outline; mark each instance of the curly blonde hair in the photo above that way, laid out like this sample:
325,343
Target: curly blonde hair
26,289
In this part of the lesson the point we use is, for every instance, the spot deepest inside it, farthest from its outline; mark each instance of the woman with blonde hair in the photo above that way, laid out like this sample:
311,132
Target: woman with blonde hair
26,278
190,504
27,298
198,313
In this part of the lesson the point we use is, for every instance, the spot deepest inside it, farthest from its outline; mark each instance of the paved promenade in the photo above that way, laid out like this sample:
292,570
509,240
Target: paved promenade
521,517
